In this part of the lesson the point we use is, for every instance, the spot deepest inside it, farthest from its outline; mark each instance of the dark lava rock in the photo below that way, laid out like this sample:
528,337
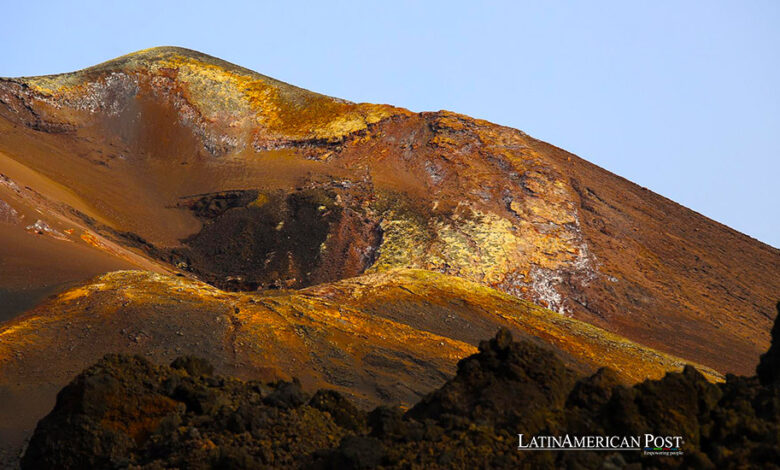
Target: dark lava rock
199,399
278,240
670,406
768,369
354,453
127,413
287,395
194,366
344,413
507,384
387,422
594,391
100,416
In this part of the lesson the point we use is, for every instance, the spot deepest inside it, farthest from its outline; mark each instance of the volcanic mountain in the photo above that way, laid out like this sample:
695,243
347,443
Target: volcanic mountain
168,203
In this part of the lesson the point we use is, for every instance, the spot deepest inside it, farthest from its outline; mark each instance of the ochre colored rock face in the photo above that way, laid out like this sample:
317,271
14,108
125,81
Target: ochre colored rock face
179,164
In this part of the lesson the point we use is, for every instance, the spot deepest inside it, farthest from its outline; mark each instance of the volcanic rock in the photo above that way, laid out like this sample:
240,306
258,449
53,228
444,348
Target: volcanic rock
121,413
768,369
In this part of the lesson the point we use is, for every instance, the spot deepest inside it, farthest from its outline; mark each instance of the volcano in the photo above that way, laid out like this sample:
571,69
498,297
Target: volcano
168,203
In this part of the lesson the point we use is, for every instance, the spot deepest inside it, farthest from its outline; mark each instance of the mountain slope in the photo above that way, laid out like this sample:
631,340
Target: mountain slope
179,162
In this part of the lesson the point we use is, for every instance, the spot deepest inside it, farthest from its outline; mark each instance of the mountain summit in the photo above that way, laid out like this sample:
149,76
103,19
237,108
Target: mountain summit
230,106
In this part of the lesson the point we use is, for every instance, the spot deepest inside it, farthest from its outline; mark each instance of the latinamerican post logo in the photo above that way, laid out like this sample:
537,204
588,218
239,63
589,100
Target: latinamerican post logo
649,444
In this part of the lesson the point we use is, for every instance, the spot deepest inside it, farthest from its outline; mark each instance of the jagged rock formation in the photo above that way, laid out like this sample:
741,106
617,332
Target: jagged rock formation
125,412
481,390
768,369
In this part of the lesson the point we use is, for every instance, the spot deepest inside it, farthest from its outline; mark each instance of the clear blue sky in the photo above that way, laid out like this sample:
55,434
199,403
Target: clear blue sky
680,96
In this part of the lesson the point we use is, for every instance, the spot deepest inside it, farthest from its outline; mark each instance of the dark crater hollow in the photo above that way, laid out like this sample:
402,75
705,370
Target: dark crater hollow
254,240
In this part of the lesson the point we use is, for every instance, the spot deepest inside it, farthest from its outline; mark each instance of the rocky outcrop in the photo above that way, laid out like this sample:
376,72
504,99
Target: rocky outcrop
506,385
125,412
769,367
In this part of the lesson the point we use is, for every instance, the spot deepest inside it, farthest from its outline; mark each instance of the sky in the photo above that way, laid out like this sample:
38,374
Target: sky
680,97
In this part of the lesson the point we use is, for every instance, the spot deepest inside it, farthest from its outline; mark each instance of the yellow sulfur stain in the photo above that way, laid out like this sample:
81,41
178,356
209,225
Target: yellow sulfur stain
259,201
223,92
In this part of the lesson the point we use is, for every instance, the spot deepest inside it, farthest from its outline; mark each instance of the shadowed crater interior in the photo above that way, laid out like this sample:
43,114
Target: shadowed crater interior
255,240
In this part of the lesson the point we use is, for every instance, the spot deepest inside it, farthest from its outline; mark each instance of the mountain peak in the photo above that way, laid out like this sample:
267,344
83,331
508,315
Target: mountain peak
225,100
150,60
